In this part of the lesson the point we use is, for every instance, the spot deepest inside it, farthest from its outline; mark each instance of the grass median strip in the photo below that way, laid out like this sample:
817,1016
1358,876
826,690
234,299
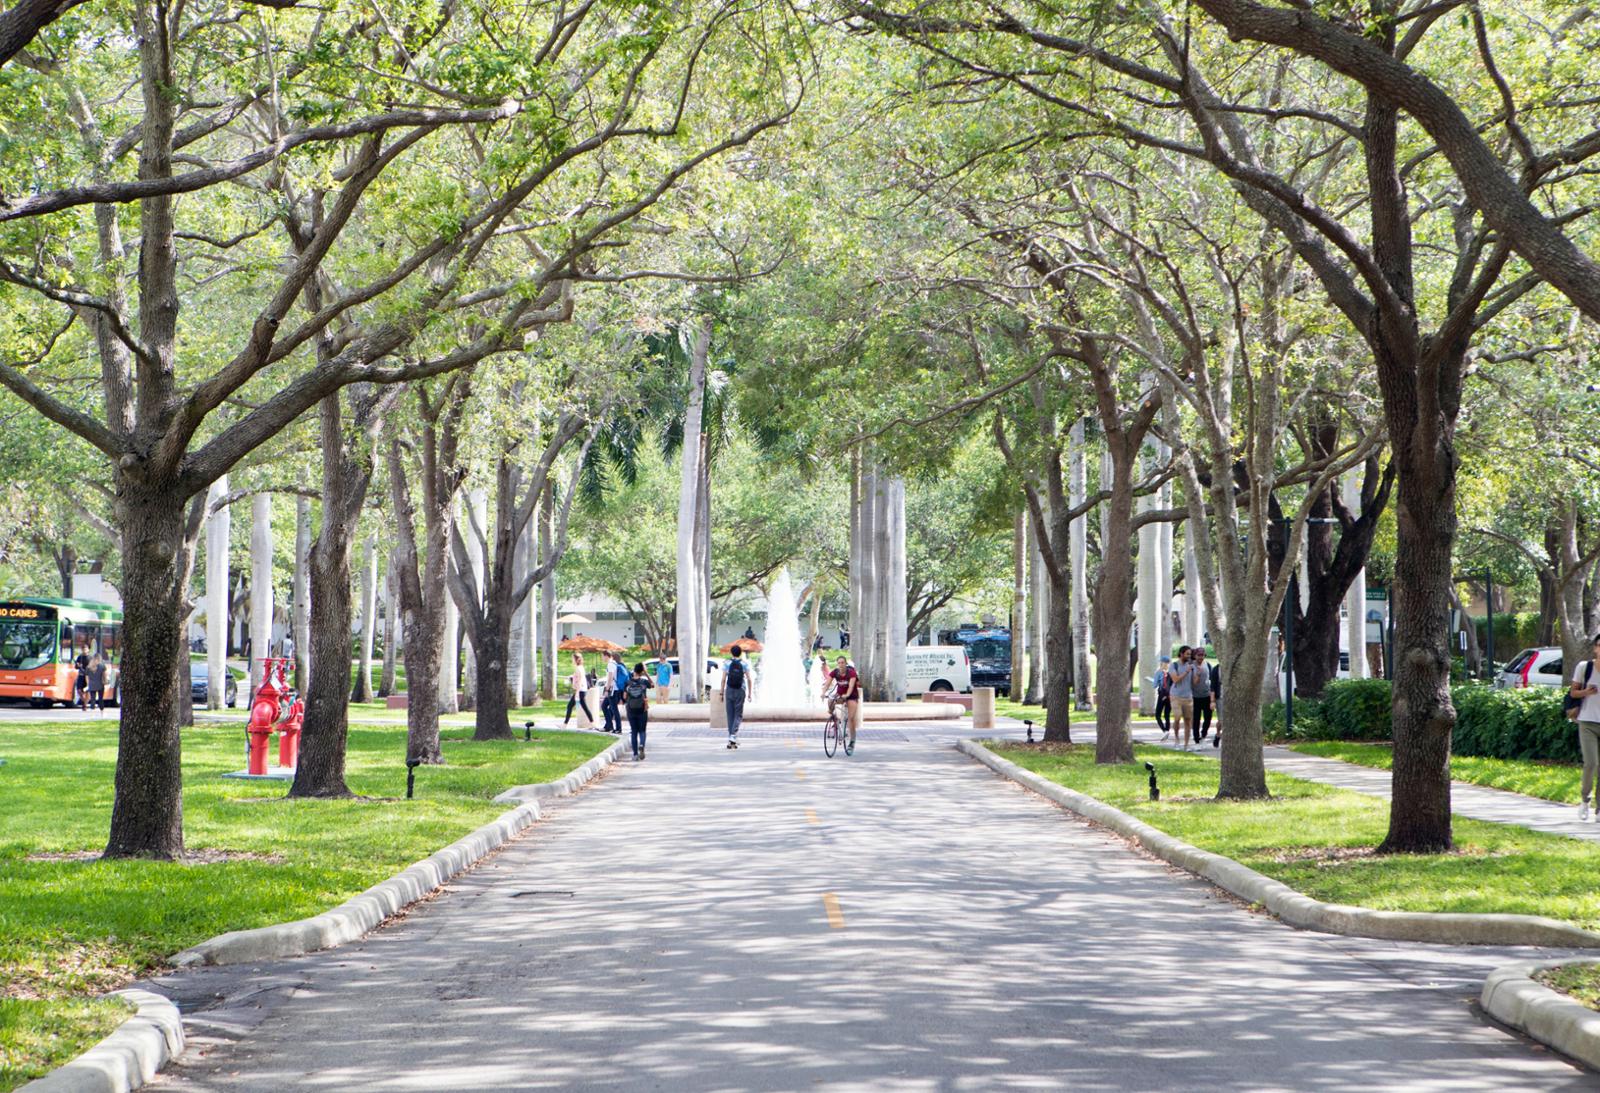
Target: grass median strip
1549,780
1580,982
1319,839
72,926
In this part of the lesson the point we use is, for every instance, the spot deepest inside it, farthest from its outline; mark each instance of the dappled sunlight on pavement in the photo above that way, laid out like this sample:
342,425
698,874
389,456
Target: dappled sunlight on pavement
688,924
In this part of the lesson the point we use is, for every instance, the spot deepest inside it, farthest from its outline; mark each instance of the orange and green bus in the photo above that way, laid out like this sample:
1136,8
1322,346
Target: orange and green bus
40,638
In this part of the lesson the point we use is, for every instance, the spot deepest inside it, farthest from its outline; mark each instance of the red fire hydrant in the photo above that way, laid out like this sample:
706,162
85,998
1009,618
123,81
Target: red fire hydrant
289,734
264,712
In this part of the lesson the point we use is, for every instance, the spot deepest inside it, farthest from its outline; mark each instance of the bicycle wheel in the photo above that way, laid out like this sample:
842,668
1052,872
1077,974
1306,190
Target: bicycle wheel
830,736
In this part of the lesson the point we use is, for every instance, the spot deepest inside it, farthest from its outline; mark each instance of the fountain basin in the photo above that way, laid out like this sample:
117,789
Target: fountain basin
700,712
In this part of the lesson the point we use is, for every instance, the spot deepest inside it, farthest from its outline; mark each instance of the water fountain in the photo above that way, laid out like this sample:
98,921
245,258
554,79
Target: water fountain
783,672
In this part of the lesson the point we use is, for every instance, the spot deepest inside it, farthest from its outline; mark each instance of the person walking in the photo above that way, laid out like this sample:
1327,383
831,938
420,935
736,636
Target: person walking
663,680
734,682
579,680
617,676
97,682
80,683
1182,676
1587,688
1162,682
1202,694
1216,704
636,700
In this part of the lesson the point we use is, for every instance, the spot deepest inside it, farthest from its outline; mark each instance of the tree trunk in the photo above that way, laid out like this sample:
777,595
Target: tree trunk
1037,583
548,627
369,619
1019,601
1356,598
475,518
691,665
260,586
1077,490
1424,716
326,726
449,648
300,619
493,718
1113,620
217,526
391,629
147,810
895,592
1149,605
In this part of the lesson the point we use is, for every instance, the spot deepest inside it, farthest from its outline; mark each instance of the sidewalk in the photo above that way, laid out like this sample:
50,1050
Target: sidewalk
1474,802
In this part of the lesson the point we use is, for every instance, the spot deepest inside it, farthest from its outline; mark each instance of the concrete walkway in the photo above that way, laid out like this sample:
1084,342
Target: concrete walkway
904,920
1475,802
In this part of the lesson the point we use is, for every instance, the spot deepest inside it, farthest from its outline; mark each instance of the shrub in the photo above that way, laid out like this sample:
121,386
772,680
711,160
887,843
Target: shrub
1357,709
1308,721
1523,723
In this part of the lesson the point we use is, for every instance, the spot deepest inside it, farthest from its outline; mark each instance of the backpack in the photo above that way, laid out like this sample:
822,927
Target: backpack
634,693
1164,687
735,675
1569,705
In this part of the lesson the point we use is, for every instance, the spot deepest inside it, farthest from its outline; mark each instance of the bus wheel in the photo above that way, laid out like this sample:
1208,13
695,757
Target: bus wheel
116,695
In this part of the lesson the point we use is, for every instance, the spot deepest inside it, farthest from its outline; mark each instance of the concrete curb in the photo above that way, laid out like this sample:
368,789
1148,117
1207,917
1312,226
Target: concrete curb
127,1058
1512,997
360,914
562,787
1296,908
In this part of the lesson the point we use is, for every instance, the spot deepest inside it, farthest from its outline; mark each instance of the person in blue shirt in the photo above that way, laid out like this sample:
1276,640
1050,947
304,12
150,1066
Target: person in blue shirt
663,680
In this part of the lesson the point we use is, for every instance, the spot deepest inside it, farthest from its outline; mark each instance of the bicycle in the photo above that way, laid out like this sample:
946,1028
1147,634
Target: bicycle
835,728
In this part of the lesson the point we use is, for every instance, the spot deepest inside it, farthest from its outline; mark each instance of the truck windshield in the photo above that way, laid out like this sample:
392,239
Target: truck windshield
27,645
990,650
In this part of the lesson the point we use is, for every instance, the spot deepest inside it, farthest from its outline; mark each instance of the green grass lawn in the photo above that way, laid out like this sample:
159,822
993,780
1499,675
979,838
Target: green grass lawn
38,1035
1580,981
1316,838
1005,707
70,929
1552,781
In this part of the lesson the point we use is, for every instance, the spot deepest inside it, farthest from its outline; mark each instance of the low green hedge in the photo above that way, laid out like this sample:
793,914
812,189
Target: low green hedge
1522,723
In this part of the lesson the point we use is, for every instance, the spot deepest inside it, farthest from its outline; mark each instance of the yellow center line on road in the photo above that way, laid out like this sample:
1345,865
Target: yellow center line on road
830,903
811,816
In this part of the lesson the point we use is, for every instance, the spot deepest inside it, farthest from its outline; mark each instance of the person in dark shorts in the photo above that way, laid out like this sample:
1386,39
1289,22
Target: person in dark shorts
735,685
636,703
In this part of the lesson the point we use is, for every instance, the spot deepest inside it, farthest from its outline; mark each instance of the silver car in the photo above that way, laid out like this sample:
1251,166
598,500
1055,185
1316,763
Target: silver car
1539,667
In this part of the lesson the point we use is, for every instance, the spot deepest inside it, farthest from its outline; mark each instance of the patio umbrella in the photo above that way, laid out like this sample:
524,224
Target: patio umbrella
585,644
748,645
573,616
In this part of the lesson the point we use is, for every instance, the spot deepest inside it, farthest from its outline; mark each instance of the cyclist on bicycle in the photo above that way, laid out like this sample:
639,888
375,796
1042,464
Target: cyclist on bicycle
847,689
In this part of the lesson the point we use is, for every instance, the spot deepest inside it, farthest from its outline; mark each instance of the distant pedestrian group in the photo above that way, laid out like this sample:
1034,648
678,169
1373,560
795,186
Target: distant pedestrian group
1187,690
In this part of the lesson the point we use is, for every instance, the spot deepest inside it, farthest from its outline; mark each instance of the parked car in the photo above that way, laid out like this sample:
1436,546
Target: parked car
938,668
200,685
1539,667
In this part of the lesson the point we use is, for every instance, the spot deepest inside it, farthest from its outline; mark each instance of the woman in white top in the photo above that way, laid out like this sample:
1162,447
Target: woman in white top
579,681
1586,685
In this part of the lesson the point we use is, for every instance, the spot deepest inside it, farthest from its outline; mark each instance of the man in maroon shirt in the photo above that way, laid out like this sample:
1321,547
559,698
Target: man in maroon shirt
847,689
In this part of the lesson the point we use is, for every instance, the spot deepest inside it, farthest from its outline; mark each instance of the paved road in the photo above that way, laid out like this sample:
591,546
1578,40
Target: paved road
903,920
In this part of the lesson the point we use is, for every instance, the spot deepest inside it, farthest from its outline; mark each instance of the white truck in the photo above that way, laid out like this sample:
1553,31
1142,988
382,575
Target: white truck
938,668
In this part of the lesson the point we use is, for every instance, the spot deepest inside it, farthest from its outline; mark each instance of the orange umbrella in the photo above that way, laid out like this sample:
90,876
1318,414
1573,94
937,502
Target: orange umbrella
748,645
585,644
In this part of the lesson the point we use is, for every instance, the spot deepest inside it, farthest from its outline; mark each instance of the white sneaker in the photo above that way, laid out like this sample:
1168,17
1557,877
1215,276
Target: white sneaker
1583,813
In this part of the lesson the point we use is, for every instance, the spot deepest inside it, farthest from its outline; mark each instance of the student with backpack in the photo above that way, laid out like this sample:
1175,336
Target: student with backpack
636,700
617,676
1163,685
1583,706
735,684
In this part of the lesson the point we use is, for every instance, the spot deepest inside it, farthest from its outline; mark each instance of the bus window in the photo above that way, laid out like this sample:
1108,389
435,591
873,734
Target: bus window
27,645
87,638
111,634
